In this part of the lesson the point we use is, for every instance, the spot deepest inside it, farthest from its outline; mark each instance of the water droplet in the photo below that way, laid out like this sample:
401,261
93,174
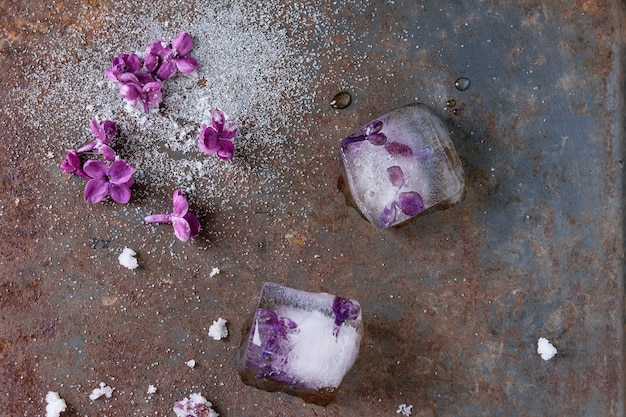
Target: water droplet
341,100
451,103
462,83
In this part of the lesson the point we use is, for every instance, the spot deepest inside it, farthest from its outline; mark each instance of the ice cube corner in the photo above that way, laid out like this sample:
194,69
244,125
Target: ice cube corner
402,164
301,343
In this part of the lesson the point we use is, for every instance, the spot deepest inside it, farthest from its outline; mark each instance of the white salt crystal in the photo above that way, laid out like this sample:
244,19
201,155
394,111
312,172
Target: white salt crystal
214,272
55,405
127,258
545,349
191,363
319,358
404,409
151,389
218,329
104,389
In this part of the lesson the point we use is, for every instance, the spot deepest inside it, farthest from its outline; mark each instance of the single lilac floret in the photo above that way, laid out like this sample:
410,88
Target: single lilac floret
103,134
135,88
344,309
73,165
371,132
186,224
123,63
217,138
114,180
163,59
410,202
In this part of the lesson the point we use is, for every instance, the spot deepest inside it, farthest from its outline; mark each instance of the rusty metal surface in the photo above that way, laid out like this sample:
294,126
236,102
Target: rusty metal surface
453,302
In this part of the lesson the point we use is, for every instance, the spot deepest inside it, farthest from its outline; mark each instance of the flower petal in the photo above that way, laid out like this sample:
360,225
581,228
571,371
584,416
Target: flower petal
158,218
396,176
182,43
96,169
96,190
399,149
410,203
208,140
110,130
181,229
218,119
120,172
119,193
388,216
130,91
167,70
194,224
181,206
226,150
377,139
186,64
96,129
107,152
229,131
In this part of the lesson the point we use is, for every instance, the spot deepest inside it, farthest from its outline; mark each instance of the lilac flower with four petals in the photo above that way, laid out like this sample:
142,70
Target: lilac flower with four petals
103,133
123,63
410,203
185,223
135,88
114,180
72,165
216,139
164,59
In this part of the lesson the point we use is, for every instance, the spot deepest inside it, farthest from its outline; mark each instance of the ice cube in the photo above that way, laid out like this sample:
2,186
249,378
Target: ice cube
402,164
301,343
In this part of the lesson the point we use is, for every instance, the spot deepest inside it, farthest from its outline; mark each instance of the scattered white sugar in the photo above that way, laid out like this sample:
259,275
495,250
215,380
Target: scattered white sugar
545,349
104,389
214,272
319,359
404,409
127,258
191,363
218,329
194,406
151,389
55,405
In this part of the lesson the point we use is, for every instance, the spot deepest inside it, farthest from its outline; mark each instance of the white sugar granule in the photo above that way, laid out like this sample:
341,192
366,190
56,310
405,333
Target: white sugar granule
127,258
545,349
191,363
55,405
404,409
218,329
151,389
104,389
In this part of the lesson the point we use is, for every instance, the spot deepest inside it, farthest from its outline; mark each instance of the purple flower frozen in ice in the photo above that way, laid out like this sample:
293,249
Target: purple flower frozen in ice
114,180
410,202
123,63
185,223
371,132
142,88
217,138
164,59
72,165
103,134
344,309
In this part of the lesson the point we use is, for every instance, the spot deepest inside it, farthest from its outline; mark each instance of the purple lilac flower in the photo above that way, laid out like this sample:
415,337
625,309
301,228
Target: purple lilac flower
185,223
344,309
371,132
216,139
72,165
123,63
114,180
135,88
164,59
103,134
410,203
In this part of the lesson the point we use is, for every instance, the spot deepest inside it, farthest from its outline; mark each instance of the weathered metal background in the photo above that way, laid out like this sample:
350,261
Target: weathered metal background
453,302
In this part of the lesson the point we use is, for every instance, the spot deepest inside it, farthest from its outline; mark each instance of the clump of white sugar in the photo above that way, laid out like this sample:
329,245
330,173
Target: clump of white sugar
191,363
404,409
545,349
218,329
214,272
103,389
127,258
151,389
194,406
55,405
319,358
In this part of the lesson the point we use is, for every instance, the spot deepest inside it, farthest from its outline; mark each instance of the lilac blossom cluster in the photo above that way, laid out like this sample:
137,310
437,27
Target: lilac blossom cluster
140,80
112,177
409,202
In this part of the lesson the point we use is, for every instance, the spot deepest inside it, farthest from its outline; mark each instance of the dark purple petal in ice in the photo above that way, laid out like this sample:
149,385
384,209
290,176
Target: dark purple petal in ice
398,149
388,215
344,309
377,139
396,176
410,203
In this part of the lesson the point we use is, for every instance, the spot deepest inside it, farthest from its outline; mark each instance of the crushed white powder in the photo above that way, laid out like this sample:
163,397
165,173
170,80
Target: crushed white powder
127,258
194,406
545,349
218,329
104,389
214,272
191,363
55,405
151,389
404,409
